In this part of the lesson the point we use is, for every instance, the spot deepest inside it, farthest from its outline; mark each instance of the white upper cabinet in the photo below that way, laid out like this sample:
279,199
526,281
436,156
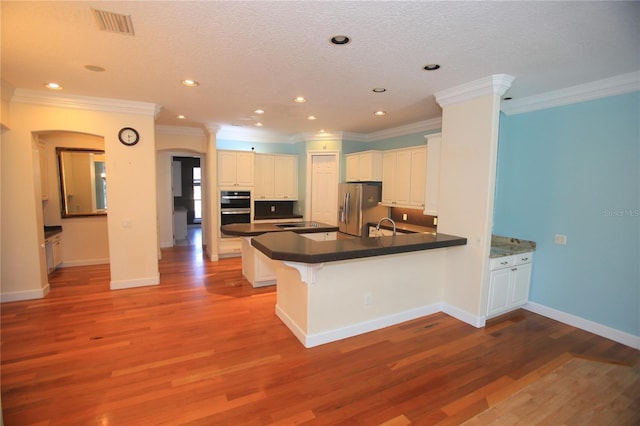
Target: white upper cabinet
276,177
364,166
235,168
432,187
403,177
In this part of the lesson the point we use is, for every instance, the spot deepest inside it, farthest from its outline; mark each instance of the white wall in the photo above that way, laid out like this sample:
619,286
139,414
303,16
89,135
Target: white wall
132,219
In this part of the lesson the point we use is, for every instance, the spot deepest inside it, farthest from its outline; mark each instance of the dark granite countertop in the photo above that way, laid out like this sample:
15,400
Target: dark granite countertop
507,246
404,227
253,229
287,216
293,247
50,231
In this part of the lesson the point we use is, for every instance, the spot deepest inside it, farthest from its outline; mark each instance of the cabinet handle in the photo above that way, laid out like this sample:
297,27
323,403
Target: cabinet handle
514,269
524,259
504,263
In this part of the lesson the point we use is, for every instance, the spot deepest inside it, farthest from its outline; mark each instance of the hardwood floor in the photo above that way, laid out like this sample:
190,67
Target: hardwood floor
205,348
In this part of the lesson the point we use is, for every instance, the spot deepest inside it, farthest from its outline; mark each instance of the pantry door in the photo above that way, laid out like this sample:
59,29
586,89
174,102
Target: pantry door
324,187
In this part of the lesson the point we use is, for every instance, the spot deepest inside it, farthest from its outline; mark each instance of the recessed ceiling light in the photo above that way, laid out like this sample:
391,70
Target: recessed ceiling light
431,67
340,40
181,117
380,113
259,111
190,83
379,90
94,68
300,99
53,86
311,117
259,124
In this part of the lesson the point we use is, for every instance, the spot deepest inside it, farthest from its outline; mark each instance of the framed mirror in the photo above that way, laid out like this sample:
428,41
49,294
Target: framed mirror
83,182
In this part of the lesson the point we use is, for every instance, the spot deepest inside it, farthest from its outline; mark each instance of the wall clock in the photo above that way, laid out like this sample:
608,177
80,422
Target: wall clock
128,136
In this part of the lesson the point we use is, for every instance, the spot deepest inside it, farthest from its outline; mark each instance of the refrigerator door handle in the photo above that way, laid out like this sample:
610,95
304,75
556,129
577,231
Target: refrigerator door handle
347,204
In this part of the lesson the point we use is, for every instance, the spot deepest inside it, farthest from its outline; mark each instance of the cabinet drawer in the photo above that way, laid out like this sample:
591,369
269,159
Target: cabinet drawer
502,262
522,258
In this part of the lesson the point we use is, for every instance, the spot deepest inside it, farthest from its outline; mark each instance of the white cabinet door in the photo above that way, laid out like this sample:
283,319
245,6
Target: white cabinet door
286,177
264,174
364,166
226,168
499,284
432,184
244,168
403,178
389,177
418,176
521,280
235,168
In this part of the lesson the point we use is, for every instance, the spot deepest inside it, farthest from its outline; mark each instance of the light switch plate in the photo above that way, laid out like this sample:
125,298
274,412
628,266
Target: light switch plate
560,239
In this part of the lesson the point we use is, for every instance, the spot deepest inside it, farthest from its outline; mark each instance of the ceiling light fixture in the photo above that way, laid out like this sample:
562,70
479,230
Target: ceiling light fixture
53,86
190,83
311,117
181,117
380,113
259,124
340,40
300,99
94,68
379,90
431,67
259,111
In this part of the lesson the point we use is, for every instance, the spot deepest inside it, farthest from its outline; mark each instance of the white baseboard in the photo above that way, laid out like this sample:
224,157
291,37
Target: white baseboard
311,340
464,316
166,244
85,262
627,339
16,296
140,282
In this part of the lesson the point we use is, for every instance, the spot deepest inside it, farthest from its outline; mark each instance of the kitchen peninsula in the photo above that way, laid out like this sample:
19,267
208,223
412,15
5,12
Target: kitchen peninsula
257,268
330,290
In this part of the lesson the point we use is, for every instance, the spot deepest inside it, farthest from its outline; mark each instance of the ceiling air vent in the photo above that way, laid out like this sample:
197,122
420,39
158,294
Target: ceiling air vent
113,22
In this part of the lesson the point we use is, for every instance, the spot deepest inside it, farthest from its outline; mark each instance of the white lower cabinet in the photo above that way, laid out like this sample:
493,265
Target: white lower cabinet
257,268
509,283
53,247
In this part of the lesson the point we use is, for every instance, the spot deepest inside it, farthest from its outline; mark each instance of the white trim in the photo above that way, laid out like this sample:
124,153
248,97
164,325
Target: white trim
493,84
315,339
621,84
84,262
421,126
85,103
16,296
625,338
139,282
464,316
180,131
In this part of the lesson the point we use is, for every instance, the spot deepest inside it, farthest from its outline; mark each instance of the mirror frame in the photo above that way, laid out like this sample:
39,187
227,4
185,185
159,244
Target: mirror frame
63,196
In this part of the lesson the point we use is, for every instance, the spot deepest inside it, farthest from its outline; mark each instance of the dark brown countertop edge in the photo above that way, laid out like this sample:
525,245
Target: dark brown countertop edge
255,229
396,245
50,231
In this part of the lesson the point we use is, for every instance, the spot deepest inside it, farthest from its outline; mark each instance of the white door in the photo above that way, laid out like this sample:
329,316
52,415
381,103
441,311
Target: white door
324,189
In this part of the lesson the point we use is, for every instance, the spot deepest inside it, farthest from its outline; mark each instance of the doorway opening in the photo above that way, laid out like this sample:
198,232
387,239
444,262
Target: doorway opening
186,182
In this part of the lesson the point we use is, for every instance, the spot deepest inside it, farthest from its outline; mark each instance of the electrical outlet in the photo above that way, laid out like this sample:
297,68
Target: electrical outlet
435,221
560,239
404,216
273,209
368,298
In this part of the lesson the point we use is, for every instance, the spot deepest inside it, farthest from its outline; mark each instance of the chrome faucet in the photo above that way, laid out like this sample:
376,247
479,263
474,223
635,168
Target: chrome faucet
387,219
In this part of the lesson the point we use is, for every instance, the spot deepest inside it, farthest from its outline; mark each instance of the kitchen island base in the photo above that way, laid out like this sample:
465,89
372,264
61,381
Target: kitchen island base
325,302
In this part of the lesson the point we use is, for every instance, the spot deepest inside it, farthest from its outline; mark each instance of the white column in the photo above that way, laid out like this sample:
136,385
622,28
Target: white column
470,121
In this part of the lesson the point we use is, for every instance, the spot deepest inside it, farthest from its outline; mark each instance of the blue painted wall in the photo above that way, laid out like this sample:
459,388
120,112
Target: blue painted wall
573,170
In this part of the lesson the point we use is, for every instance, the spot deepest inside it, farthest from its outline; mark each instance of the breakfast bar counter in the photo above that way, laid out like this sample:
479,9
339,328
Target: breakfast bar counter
330,290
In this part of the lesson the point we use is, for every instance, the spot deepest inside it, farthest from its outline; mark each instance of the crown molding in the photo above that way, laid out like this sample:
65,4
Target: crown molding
420,126
35,97
618,85
494,84
177,130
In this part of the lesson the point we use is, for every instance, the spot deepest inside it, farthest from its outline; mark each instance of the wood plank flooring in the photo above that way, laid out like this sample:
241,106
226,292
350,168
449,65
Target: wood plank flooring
205,348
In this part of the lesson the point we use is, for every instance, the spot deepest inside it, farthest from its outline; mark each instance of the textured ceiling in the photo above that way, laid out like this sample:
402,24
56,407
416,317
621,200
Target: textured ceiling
262,54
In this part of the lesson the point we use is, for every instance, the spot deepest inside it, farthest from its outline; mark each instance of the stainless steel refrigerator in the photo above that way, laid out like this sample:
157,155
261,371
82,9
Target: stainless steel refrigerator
357,206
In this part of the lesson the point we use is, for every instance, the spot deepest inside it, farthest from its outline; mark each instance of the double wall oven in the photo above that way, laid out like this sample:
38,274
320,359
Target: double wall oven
235,207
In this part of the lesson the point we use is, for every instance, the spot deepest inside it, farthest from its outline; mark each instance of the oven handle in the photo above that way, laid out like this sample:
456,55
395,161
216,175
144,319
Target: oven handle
243,211
236,197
